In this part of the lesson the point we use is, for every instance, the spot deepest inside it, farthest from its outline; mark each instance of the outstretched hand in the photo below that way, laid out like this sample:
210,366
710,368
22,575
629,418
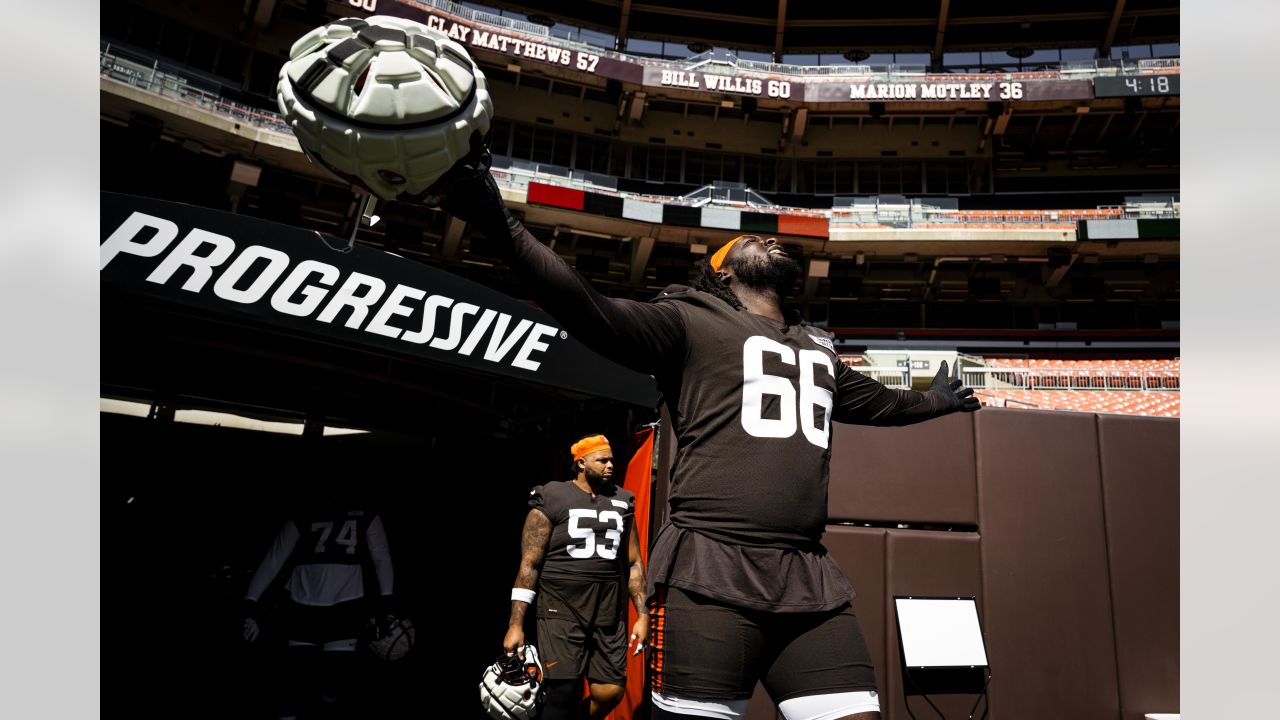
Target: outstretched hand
951,389
469,172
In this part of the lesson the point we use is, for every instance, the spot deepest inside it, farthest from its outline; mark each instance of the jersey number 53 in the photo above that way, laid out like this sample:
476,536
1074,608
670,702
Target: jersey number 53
608,548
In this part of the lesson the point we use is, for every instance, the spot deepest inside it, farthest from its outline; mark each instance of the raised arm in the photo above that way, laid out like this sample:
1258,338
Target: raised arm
636,334
533,550
862,400
636,589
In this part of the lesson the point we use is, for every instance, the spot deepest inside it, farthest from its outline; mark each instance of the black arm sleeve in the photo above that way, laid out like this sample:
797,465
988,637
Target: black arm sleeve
861,400
641,336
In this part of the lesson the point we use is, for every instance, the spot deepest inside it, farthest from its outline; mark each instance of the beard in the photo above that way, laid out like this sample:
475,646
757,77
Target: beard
767,272
595,478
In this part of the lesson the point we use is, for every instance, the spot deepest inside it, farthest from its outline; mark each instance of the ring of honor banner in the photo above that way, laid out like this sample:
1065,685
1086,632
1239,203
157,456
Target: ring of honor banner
304,281
933,88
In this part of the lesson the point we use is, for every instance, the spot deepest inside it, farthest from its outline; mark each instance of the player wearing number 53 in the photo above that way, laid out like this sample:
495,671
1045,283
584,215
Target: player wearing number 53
740,586
573,547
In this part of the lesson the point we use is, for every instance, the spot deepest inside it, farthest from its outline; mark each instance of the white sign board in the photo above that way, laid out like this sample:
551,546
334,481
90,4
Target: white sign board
940,632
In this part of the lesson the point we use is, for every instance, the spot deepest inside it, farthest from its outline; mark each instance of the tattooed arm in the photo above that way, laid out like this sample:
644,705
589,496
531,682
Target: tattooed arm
636,589
533,549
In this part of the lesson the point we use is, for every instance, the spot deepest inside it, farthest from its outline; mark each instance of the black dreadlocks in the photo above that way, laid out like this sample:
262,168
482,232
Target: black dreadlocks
707,282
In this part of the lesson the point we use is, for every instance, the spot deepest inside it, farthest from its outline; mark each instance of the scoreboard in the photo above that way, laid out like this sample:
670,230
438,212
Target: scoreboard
1136,86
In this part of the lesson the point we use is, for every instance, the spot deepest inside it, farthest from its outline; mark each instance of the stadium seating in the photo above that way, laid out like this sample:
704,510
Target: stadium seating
1158,404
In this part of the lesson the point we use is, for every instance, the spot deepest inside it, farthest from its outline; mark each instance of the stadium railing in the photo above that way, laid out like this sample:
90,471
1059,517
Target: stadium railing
996,378
892,377
181,85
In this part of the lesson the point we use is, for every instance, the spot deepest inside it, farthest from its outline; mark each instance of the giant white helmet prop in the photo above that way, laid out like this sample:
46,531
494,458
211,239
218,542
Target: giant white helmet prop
383,103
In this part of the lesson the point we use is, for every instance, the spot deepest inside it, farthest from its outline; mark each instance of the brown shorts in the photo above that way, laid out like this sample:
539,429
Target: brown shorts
582,629
705,649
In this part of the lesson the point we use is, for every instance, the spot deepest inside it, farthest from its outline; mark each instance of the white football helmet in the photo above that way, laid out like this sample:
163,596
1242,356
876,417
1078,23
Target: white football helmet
390,638
511,686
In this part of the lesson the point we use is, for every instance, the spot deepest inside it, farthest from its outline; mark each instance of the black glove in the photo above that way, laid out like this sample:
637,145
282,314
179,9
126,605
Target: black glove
952,391
467,173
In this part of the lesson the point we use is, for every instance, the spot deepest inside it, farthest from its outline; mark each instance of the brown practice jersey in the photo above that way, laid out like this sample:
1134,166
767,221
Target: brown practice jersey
588,537
751,401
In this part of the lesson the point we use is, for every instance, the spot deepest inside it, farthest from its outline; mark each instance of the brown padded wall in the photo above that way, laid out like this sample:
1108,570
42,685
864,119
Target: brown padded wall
922,473
927,563
860,554
1047,609
1140,489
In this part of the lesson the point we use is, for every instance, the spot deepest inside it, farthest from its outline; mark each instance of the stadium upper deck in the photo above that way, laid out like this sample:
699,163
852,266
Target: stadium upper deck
963,212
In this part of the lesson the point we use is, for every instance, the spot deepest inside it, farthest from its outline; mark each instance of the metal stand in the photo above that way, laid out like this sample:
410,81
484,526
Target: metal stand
945,649
365,203
982,695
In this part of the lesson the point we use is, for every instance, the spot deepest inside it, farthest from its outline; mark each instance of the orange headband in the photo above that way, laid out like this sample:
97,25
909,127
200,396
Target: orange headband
588,445
718,259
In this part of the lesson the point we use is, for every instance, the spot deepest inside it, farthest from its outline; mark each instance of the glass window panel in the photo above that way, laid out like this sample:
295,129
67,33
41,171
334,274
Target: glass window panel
804,176
935,177
868,174
890,177
1133,52
174,40
1043,57
693,167
958,177
501,138
751,171
602,150
617,159
582,152
562,151
998,58
961,59
145,32
597,38
800,59
732,168
1079,54
911,181
644,47
768,174
542,145
843,177
824,177
1166,50
674,156
204,50
522,142
639,161
911,58
231,61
